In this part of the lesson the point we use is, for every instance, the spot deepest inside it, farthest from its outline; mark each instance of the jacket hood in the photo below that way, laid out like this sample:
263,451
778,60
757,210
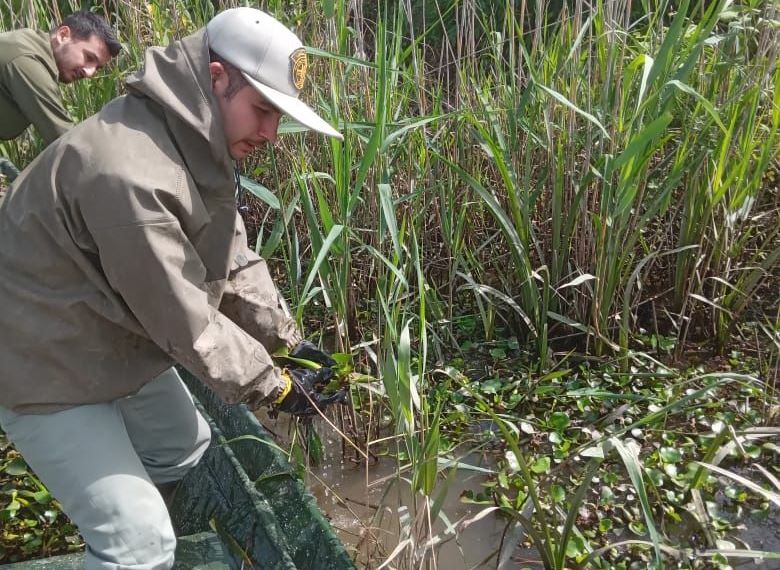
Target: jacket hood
177,78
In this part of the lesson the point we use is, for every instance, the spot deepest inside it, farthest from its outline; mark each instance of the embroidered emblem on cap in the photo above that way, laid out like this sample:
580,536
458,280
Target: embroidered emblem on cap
299,65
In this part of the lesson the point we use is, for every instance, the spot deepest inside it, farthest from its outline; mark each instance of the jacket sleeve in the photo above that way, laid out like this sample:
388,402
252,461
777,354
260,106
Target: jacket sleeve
252,301
158,273
38,97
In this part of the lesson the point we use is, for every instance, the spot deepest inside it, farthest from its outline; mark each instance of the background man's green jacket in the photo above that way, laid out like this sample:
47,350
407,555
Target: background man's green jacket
122,252
29,88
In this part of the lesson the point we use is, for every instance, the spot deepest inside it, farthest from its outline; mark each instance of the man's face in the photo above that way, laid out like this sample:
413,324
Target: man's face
249,120
76,58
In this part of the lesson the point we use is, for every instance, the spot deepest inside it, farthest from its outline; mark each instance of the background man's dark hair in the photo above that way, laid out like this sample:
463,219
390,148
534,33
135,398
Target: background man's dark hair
235,79
84,24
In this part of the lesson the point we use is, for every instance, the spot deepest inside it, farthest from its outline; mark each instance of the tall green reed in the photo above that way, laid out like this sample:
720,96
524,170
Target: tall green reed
610,129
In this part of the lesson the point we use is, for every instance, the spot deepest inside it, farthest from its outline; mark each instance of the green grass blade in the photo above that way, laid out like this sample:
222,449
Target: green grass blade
634,468
389,217
709,107
574,509
261,192
767,494
561,99
322,254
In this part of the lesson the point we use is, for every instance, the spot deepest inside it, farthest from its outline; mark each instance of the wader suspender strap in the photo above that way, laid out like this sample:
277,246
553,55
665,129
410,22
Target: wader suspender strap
239,191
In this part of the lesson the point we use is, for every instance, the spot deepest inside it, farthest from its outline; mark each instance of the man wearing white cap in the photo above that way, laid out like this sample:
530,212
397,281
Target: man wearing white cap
122,255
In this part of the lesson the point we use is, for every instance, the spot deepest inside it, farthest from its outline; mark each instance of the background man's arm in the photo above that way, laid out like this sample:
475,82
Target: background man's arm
38,96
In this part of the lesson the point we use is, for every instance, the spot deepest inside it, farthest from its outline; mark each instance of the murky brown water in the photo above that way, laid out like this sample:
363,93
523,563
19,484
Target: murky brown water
369,516
368,507
762,536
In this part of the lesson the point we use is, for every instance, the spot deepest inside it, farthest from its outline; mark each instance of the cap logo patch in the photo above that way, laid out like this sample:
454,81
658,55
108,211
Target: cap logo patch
299,65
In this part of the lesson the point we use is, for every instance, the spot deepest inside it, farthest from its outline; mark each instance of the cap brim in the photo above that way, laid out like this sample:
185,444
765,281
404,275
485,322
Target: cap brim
295,108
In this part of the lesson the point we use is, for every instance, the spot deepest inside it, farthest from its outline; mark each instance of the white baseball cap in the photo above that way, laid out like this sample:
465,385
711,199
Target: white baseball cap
270,57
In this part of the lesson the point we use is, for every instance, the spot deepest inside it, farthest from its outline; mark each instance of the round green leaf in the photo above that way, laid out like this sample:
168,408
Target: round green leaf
559,421
491,386
498,353
656,476
670,454
541,465
637,527
575,546
16,467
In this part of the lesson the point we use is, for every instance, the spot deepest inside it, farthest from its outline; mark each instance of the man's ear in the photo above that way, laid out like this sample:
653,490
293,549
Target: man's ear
219,77
62,35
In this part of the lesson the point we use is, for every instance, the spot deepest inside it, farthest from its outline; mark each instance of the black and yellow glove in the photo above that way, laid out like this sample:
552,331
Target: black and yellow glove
306,350
8,169
303,382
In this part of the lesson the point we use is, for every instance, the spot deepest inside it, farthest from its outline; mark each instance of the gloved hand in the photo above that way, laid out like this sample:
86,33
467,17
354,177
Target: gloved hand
306,350
302,383
8,169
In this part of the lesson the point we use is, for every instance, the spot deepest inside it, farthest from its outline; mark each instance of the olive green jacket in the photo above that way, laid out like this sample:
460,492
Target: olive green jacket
122,253
29,91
